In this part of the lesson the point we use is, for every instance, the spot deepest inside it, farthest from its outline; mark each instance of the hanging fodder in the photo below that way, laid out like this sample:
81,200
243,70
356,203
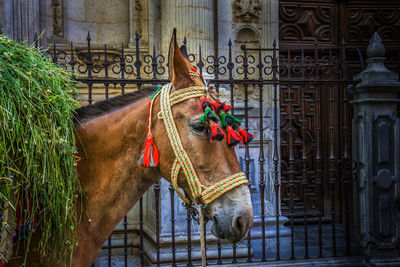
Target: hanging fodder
38,180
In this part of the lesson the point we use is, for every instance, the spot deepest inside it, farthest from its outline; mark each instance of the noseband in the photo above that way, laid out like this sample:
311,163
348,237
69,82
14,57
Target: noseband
199,192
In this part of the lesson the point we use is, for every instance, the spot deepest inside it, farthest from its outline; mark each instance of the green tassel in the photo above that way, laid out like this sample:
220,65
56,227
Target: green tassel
235,121
208,115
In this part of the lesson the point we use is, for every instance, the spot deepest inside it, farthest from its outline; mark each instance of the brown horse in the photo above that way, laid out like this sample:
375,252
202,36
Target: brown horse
111,135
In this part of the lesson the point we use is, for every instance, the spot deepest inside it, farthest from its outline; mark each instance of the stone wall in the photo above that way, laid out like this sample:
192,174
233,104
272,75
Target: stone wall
107,21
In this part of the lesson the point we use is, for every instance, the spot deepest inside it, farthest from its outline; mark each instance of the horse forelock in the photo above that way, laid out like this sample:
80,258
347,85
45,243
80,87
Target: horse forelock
89,112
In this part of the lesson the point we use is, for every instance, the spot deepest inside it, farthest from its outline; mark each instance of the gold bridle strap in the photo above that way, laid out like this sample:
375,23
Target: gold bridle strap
182,160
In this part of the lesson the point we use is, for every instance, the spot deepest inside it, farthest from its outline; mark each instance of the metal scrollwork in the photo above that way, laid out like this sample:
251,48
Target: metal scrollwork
217,67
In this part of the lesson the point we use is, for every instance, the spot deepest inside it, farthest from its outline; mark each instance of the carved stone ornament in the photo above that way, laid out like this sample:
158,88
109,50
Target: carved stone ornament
138,9
57,12
246,11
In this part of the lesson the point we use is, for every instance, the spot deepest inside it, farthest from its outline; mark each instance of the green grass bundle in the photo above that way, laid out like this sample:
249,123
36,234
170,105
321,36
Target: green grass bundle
37,168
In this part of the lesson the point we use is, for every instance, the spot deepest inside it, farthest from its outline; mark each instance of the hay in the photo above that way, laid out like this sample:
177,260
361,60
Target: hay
37,147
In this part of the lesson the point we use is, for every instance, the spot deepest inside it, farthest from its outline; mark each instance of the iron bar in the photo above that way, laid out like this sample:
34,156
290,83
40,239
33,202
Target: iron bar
332,158
154,63
189,235
304,158
276,152
246,128
231,82
89,64
230,67
347,168
261,158
173,250
122,65
200,64
219,261
105,65
157,201
291,164
72,61
109,251
318,157
125,241
234,259
138,63
141,248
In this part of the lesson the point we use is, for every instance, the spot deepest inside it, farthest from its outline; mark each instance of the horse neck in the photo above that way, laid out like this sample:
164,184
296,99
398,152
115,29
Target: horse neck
109,147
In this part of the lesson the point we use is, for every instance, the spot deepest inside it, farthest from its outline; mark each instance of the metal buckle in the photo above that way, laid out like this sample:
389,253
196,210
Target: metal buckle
194,210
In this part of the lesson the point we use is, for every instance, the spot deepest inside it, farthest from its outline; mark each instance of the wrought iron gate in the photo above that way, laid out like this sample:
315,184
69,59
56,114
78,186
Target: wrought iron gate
302,138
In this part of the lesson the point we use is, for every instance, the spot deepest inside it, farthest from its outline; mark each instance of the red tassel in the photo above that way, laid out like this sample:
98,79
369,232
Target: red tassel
246,136
149,156
216,132
208,103
234,137
224,107
194,69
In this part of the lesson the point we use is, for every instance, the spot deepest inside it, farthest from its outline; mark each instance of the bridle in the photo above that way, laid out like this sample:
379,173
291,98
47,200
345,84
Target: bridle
199,193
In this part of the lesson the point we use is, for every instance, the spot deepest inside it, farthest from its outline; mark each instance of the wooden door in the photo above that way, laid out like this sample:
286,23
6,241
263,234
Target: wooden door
341,30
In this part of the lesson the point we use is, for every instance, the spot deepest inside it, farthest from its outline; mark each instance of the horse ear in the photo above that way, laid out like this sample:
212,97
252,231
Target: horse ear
178,66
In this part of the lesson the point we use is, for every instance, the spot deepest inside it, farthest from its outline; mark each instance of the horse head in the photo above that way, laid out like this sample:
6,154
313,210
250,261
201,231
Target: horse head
212,161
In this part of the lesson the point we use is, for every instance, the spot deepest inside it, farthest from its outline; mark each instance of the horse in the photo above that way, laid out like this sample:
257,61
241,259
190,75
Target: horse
109,139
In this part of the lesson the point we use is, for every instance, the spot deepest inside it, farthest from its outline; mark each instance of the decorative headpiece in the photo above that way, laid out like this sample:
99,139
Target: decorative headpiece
149,156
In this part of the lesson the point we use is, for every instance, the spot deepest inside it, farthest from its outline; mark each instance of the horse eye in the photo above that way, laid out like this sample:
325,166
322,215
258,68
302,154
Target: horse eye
199,127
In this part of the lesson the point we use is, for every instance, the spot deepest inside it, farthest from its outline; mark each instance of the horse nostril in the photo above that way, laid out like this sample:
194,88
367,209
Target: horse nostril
214,218
239,226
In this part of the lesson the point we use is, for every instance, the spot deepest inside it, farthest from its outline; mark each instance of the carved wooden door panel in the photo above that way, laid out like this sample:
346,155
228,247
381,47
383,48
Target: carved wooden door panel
312,180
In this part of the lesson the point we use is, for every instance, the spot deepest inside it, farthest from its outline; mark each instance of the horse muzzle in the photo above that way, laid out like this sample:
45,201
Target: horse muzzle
232,214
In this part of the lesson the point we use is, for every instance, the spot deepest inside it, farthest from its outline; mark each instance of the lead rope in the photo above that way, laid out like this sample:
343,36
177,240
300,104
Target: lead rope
202,238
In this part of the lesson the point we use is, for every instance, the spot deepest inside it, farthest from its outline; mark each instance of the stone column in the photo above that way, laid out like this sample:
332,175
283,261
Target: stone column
2,17
21,19
376,143
193,19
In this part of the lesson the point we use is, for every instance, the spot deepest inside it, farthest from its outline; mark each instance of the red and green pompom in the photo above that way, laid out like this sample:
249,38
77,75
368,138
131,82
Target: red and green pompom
216,132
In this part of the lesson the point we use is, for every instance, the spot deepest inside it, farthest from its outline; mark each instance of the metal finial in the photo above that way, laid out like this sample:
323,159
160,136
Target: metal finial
230,42
184,41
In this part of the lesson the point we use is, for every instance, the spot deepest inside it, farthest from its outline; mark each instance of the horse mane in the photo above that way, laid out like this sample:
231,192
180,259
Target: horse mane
90,112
